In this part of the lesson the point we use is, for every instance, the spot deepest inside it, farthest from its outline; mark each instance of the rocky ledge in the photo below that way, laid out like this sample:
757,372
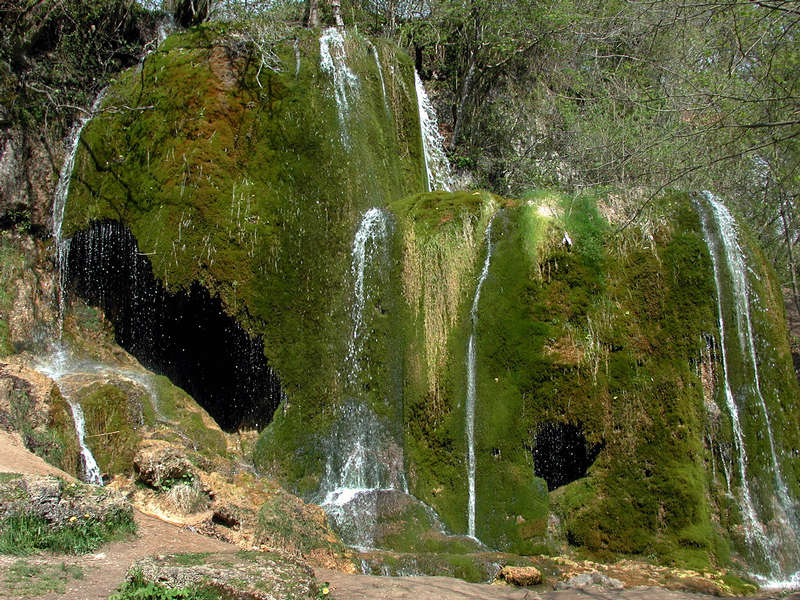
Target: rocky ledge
244,575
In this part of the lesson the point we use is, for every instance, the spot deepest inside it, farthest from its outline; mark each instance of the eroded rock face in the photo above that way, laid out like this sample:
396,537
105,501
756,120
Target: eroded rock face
521,576
60,503
158,464
244,575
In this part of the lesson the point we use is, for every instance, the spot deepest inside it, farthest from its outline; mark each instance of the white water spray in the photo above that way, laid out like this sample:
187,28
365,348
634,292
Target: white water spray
741,294
370,244
726,253
56,369
470,405
437,167
365,458
380,75
60,201
333,60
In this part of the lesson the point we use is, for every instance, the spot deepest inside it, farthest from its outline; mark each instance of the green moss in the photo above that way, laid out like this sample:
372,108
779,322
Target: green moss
286,521
189,419
112,421
245,186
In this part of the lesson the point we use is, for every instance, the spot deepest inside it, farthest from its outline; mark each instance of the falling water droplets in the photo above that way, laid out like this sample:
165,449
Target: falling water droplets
470,404
437,167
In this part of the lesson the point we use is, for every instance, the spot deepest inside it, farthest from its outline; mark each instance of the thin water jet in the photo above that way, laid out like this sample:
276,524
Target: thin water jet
470,404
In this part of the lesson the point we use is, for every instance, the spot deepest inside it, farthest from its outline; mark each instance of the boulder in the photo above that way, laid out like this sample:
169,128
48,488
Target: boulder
590,580
243,575
521,576
160,464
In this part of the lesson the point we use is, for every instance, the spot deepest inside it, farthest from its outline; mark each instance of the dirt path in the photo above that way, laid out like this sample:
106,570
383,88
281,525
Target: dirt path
105,570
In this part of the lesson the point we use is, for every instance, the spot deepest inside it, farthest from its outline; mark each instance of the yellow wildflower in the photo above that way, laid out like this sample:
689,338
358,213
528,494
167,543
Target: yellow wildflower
72,518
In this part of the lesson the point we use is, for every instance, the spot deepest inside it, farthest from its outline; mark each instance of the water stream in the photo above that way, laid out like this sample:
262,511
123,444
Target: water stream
380,75
729,263
333,60
365,457
470,404
437,167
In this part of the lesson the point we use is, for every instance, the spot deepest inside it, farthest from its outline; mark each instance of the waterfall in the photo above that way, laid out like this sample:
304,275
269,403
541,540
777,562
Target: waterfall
364,457
91,471
380,75
59,356
728,260
58,365
60,202
470,405
370,245
437,167
333,60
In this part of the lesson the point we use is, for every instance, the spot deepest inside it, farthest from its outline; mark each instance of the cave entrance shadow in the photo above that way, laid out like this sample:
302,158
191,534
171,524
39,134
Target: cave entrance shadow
185,335
561,453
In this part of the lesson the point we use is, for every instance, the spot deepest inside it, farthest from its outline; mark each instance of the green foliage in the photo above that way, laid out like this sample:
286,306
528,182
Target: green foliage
59,55
136,588
25,579
23,534
111,423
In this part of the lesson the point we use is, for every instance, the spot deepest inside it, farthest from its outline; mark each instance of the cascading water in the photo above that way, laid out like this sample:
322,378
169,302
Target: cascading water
91,472
56,368
333,60
60,202
380,75
369,245
365,457
437,167
59,356
470,404
729,264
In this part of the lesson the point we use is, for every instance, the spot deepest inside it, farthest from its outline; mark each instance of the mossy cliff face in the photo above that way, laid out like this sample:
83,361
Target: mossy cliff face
253,184
594,349
600,415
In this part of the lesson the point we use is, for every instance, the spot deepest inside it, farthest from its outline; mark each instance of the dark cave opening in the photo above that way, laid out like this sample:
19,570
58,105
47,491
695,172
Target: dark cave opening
186,335
561,454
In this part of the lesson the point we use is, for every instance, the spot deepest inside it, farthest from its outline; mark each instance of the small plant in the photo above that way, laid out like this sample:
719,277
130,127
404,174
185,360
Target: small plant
136,588
324,591
23,534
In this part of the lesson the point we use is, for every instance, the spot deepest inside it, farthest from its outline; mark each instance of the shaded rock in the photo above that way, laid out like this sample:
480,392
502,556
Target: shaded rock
244,575
587,580
160,464
521,576
59,502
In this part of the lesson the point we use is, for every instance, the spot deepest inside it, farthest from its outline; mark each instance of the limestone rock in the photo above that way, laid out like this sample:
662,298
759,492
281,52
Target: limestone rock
59,502
521,576
244,575
159,463
583,581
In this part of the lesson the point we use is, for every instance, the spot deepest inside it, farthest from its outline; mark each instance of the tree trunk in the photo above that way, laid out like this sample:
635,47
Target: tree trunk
462,101
312,13
790,249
